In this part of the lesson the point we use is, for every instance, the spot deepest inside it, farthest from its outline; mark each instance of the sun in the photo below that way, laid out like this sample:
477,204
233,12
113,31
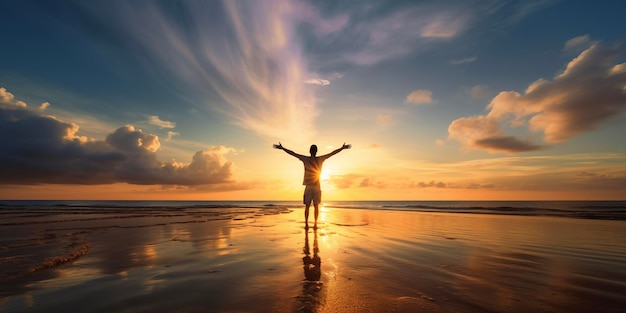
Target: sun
326,174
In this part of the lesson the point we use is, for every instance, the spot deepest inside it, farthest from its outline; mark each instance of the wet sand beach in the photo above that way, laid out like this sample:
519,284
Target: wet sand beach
263,260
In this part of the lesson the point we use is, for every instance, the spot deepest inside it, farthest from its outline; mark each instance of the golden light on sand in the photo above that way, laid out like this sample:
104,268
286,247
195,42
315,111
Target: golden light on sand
323,217
150,254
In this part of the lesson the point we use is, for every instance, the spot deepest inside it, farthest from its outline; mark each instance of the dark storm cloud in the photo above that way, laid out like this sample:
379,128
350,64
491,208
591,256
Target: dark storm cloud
38,148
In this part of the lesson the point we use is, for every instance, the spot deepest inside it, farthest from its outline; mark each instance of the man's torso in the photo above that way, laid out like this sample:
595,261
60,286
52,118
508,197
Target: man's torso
312,170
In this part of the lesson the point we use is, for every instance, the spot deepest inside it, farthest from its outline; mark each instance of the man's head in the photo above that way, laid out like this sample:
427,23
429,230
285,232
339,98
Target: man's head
313,150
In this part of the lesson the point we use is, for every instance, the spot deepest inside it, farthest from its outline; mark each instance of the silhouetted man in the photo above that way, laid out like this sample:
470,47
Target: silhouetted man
312,171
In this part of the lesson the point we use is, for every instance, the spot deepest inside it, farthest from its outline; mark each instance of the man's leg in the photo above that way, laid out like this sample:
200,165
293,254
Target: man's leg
317,199
306,215
317,212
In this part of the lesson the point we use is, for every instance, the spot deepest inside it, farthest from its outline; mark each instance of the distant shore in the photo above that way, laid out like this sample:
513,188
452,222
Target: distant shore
261,259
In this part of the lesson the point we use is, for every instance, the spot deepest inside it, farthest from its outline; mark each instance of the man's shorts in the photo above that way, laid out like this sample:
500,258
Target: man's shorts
312,194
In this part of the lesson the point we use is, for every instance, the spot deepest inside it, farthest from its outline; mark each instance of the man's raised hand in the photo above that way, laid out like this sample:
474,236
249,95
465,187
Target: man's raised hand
346,146
279,146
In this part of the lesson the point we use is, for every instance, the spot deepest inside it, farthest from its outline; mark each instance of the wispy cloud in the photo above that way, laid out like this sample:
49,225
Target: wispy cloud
155,120
445,25
355,181
463,61
583,41
44,106
171,134
478,92
586,94
601,171
324,81
432,183
507,13
365,33
245,53
419,96
317,81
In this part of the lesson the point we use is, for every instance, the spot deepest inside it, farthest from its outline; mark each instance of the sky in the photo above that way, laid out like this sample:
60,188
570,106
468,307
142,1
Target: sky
441,100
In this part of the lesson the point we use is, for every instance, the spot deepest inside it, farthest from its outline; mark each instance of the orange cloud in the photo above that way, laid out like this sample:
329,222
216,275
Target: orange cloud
420,96
587,93
483,133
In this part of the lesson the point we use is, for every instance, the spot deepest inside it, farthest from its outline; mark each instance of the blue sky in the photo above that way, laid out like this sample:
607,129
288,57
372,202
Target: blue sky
439,98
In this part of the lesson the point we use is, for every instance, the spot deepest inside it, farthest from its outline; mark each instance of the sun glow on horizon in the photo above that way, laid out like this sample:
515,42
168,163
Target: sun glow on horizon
326,174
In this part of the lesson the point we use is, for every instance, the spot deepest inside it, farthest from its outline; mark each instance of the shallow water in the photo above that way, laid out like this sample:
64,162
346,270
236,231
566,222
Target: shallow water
482,263
253,259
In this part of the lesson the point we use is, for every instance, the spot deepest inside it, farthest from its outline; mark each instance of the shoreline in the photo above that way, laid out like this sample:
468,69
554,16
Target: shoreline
601,210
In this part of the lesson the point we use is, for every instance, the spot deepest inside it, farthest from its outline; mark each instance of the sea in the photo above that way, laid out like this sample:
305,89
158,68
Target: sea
603,210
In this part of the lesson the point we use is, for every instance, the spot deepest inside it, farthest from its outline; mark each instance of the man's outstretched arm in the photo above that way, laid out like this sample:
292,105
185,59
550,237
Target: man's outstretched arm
279,146
345,146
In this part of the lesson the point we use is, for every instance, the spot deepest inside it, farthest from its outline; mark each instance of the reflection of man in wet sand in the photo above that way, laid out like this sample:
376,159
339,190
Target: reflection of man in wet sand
312,172
311,297
312,265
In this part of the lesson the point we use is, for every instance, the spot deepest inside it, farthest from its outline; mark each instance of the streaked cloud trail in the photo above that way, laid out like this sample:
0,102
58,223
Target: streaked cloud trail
251,53
245,54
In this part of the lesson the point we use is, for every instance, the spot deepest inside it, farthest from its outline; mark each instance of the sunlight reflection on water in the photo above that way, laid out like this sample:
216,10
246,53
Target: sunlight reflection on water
246,259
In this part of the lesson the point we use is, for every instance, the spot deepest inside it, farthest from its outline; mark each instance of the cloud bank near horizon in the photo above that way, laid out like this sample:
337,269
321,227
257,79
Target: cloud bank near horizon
41,149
